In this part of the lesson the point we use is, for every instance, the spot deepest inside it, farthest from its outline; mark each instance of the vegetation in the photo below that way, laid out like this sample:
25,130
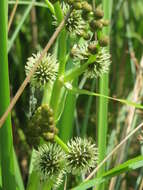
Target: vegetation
73,72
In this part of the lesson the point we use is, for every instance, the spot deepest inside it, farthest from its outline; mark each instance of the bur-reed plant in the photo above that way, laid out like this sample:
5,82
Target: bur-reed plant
80,50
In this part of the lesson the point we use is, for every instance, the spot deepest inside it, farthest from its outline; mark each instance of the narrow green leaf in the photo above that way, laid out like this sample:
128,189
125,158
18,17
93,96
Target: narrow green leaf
18,174
50,6
33,180
86,92
132,164
38,4
6,138
27,11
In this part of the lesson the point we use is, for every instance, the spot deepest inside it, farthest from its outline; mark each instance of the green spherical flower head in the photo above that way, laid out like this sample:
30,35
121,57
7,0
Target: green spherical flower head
101,65
82,155
49,163
46,71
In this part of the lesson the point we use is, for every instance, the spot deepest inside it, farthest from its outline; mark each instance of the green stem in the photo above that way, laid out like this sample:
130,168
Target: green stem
103,104
47,185
77,71
62,41
61,143
66,122
6,139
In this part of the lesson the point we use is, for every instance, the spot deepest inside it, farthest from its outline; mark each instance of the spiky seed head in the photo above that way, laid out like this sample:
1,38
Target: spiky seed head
82,155
49,162
101,65
75,24
46,71
80,52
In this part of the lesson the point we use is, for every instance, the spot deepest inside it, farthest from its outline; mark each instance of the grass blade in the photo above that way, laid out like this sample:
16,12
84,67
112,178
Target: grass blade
27,11
89,93
6,139
132,164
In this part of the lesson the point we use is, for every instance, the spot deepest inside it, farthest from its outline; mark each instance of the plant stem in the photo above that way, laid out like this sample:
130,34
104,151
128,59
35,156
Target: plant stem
77,71
103,104
62,41
61,143
6,140
67,119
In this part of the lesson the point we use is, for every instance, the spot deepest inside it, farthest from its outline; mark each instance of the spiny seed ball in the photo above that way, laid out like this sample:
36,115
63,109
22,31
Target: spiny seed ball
101,65
46,71
82,155
49,161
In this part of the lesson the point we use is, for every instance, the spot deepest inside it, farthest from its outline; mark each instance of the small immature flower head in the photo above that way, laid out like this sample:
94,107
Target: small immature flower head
82,155
49,162
98,13
46,71
42,125
101,65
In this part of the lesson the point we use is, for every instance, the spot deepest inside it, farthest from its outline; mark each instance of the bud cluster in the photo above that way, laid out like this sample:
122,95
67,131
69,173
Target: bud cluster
41,125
